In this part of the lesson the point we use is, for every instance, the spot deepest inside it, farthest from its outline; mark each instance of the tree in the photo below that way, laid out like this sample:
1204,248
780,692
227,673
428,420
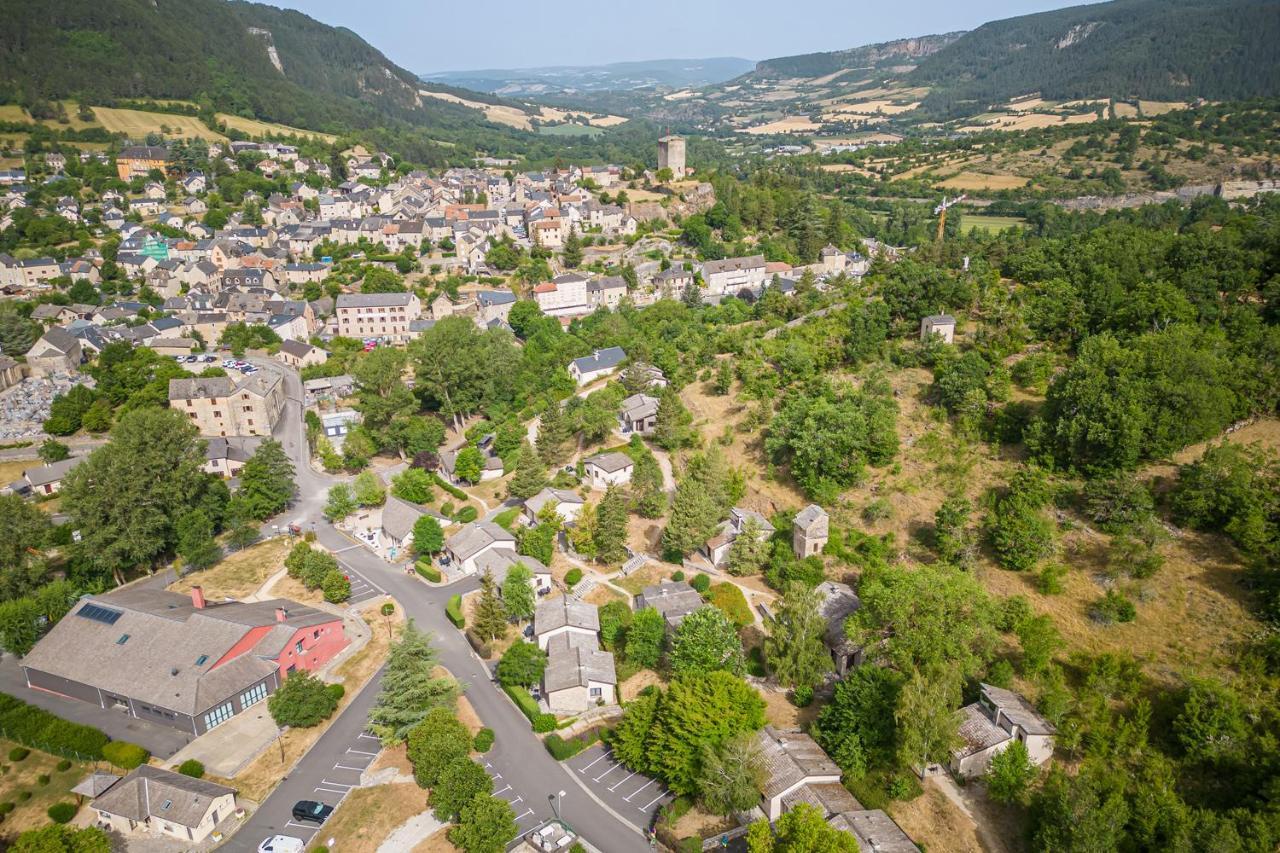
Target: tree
19,625
408,690
56,838
857,727
239,525
1081,814
340,502
615,619
368,490
266,481
530,476
1020,532
413,485
648,497
435,743
706,641
1010,774
490,619
673,427
460,368
428,537
517,592
302,701
384,398
733,775
794,648
553,433
17,333
803,829
196,544
485,825
538,541
1212,724
23,527
1040,640
336,587
52,450
572,249
610,535
523,664
926,716
379,280
643,644
127,495
749,551
460,782
951,538
468,464
699,503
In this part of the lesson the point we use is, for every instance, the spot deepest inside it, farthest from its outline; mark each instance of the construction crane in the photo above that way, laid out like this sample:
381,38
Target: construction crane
941,212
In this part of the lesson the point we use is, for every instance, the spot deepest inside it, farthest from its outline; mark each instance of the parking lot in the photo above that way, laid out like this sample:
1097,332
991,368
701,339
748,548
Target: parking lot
526,812
362,589
634,796
338,780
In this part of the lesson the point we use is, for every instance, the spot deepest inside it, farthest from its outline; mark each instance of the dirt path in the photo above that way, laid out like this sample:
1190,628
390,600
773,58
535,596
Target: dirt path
967,801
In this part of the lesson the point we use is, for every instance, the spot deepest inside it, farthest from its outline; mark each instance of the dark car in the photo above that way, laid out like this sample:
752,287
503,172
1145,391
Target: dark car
310,810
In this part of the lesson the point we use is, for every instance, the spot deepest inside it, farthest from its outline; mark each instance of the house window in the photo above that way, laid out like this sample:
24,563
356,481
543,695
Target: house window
218,716
297,647
124,638
596,692
253,695
315,634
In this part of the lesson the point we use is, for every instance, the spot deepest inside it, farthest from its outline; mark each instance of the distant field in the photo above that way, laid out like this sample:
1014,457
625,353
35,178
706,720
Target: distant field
990,224
138,123
790,124
570,130
979,181
253,127
13,112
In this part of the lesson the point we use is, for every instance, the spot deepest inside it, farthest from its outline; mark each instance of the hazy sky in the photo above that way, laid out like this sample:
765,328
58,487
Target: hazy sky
444,36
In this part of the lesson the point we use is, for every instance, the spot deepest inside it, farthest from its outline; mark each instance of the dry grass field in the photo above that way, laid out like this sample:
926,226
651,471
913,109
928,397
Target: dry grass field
368,815
24,775
790,124
253,127
979,181
138,123
239,574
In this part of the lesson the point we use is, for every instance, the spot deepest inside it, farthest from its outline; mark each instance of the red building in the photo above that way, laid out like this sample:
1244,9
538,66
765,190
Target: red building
183,662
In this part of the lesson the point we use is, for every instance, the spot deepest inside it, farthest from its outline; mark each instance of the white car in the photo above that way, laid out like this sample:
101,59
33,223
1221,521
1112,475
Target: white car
281,844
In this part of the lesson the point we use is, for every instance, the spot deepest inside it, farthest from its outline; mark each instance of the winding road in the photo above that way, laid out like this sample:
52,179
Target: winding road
519,763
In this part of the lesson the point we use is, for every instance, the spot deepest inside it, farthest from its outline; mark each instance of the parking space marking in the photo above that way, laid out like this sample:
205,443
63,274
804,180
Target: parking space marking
615,787
588,767
369,736
607,772
331,791
359,752
526,814
503,791
345,767
637,790
314,829
336,784
651,802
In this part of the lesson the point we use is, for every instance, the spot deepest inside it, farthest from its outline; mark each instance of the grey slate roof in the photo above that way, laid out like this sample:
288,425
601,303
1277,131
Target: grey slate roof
373,300
51,473
476,536
875,831
565,611
792,757
601,359
153,792
399,516
810,514
673,599
576,666
639,406
728,264
610,462
551,496
297,349
1018,709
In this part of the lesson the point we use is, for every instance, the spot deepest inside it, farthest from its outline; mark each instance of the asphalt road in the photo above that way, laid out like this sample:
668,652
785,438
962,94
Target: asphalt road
524,773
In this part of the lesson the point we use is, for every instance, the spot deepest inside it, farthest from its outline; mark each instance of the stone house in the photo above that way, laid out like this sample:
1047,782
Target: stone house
997,719
942,325
162,803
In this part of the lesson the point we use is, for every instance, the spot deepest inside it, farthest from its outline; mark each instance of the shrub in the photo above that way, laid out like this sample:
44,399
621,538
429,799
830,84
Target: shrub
562,749
677,575
427,571
18,753
62,812
701,583
337,691
1050,578
191,767
802,696
125,755
450,488
43,779
302,701
483,740
544,723
755,662
466,515
1113,607
64,764
23,796
6,807
572,577
453,609
336,587
733,603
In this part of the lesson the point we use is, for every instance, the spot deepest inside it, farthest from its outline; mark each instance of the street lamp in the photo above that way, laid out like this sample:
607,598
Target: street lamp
554,799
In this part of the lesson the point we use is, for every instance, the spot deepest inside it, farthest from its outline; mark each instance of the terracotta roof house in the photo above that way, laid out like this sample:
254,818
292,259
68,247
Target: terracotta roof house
163,803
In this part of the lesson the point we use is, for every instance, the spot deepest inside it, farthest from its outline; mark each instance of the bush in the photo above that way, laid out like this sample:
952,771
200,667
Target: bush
453,609
336,587
64,765
191,767
6,807
302,701
802,696
701,583
37,728
733,603
18,753
62,812
1113,607
125,755
466,515
562,749
483,740
677,575
544,723
23,796
337,691
43,779
427,571
572,577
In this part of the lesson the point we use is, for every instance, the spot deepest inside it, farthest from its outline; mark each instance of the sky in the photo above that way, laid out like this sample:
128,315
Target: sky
447,36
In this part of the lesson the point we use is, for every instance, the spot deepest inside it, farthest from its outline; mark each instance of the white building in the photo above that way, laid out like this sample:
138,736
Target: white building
609,469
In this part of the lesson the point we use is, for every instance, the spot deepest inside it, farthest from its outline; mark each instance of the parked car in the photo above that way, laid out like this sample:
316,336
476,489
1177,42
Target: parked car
312,811
281,844
207,359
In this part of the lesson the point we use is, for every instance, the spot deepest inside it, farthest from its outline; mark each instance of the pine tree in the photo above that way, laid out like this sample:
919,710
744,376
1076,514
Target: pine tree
490,620
647,495
611,527
553,433
266,481
530,476
672,430
572,249
517,592
408,689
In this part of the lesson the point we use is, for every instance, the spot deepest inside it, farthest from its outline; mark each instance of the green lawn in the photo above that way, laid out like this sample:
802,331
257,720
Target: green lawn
506,519
990,224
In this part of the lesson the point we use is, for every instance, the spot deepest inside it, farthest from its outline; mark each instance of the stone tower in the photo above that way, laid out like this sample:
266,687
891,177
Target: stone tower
809,531
671,155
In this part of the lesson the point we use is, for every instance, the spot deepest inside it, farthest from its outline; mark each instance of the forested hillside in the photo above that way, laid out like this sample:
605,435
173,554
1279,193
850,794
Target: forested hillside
902,51
1158,49
209,51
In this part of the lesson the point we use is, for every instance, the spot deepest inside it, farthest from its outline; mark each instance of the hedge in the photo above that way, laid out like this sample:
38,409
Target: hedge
529,707
449,487
125,755
62,812
36,727
733,603
428,571
453,609
483,740
562,749
572,577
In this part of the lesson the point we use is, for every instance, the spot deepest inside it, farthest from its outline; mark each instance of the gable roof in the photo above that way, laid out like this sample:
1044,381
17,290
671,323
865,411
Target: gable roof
59,339
297,349
399,516
790,758
601,359
733,264
53,472
1018,710
571,666
476,536
810,514
153,792
673,599
565,611
373,300
552,496
610,462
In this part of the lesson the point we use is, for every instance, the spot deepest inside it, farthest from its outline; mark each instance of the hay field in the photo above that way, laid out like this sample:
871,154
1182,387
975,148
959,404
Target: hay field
989,224
13,112
881,106
980,181
790,124
1124,110
253,127
1157,108
138,123
510,116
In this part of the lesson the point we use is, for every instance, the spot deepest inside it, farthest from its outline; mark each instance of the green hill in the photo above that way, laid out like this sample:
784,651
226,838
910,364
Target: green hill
245,58
867,57
1155,49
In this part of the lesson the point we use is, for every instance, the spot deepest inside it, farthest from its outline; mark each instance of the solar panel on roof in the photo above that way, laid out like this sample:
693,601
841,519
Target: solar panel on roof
99,613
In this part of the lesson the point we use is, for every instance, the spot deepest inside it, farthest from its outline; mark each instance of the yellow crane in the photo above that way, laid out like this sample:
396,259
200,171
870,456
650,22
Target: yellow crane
941,212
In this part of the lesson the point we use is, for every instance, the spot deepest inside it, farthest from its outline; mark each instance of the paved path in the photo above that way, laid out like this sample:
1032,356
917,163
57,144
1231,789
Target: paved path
528,773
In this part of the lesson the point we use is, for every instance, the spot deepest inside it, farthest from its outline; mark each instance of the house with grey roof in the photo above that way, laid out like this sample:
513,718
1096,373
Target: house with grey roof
567,504
47,479
810,530
578,676
299,354
179,660
223,458
222,406
566,616
792,759
997,719
875,831
673,599
717,547
608,469
472,541
942,325
602,362
838,603
57,351
639,414
161,803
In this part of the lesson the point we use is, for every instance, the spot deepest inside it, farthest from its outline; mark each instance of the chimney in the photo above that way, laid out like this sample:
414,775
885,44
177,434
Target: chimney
197,597
281,614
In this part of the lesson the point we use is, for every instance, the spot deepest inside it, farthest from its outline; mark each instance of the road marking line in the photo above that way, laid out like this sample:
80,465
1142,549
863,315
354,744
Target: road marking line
607,772
344,550
517,800
588,767
369,736
523,816
345,767
302,826
503,791
330,791
336,784
358,752
638,790
645,807
615,787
